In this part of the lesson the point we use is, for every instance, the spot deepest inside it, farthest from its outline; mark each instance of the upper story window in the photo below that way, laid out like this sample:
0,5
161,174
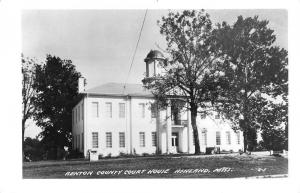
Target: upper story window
108,109
73,120
153,111
82,116
218,138
142,109
122,110
78,112
95,109
75,115
228,138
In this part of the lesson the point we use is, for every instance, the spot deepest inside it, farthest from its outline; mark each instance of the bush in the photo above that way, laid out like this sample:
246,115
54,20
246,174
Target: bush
33,150
75,154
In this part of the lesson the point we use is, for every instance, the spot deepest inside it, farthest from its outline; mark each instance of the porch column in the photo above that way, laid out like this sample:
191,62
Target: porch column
169,128
189,133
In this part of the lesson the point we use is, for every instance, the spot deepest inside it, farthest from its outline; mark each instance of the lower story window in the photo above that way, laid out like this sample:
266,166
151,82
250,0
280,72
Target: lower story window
82,141
154,141
108,140
218,138
95,139
228,138
142,139
238,137
204,137
122,139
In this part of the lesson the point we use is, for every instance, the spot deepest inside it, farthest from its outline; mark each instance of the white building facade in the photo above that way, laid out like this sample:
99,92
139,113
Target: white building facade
112,120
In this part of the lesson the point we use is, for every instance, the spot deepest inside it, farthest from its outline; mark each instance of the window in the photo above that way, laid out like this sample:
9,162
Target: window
75,115
82,146
73,139
82,111
122,110
154,142
73,119
217,116
122,139
108,110
238,137
95,139
79,141
142,109
153,111
108,140
142,139
203,116
95,109
218,138
79,113
193,139
228,138
204,137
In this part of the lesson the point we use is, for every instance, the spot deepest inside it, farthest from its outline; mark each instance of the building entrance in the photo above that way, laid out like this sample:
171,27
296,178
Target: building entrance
175,142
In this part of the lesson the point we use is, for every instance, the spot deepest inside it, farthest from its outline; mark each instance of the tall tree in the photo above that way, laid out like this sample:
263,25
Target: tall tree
255,70
28,92
274,126
56,86
191,69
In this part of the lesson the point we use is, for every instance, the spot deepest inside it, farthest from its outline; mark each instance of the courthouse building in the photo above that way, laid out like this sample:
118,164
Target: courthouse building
111,120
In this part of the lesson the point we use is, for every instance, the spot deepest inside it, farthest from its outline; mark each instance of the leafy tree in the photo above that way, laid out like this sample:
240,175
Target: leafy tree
255,70
191,69
274,126
56,86
33,149
28,92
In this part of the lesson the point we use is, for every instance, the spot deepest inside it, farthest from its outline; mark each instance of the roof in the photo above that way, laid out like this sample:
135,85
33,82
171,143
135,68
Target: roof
154,54
117,89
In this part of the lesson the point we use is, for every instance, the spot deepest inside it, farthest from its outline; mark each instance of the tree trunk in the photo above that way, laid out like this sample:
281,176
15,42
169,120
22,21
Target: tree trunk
23,132
195,129
245,140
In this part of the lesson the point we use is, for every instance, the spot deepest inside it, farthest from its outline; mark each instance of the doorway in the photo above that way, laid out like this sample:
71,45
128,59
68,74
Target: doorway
175,142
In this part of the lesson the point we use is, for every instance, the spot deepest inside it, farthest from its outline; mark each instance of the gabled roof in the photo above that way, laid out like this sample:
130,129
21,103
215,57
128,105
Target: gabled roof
117,89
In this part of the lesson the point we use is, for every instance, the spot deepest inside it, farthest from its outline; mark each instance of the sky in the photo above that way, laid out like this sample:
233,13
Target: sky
101,42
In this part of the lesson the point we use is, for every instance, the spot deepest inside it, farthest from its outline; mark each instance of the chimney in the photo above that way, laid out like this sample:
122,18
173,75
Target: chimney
81,84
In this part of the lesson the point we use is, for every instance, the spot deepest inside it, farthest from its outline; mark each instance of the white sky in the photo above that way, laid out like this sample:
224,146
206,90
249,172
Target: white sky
101,42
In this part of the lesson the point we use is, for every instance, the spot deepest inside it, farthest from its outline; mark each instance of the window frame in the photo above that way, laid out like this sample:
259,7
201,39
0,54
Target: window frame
154,138
228,138
108,112
204,137
108,137
238,137
142,139
122,143
218,138
153,111
122,109
97,109
142,109
95,138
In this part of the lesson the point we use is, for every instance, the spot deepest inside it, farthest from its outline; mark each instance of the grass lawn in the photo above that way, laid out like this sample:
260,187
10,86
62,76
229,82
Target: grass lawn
187,166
